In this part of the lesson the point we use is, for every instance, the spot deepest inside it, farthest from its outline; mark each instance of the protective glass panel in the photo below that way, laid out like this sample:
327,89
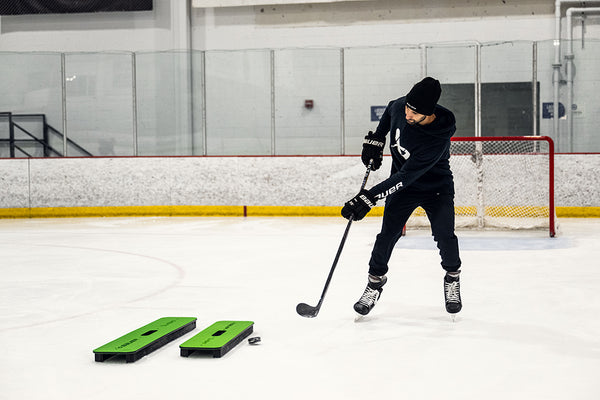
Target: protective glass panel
165,103
454,67
545,71
307,101
100,102
372,78
507,89
238,102
30,84
585,78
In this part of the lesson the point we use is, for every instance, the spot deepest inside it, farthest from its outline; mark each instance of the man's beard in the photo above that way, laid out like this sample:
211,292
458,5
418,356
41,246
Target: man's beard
413,122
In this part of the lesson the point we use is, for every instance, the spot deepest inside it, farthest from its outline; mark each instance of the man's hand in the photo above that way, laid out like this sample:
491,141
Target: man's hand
373,150
359,205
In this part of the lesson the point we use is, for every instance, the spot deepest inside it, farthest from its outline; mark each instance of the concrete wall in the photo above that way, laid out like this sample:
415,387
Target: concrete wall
242,181
369,23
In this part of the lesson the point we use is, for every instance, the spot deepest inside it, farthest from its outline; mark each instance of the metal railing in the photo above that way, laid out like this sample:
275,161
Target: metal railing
35,140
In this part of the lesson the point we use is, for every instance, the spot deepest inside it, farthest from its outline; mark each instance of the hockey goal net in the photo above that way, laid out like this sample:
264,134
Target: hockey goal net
502,183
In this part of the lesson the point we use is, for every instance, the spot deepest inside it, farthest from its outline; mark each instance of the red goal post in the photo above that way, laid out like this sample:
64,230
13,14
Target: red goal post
502,182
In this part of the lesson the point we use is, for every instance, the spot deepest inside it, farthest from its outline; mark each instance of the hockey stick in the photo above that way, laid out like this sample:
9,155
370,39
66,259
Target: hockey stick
309,311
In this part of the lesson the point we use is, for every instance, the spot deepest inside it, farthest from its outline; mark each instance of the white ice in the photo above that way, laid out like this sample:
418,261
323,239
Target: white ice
529,329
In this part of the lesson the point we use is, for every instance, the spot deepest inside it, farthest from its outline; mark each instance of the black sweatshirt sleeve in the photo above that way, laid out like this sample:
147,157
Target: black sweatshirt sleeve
385,122
418,164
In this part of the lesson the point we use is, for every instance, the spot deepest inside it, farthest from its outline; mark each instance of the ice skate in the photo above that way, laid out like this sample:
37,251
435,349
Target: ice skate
452,293
371,294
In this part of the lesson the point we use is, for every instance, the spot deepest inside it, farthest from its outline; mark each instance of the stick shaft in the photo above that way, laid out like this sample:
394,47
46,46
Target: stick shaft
341,246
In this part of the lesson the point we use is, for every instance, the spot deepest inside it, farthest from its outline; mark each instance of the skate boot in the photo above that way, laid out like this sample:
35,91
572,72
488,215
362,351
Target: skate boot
371,294
452,292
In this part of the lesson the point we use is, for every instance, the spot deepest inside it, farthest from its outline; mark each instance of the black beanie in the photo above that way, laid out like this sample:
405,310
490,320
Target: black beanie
423,97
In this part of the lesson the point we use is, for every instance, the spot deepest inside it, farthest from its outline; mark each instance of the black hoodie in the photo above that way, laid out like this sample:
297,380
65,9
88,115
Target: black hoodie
420,154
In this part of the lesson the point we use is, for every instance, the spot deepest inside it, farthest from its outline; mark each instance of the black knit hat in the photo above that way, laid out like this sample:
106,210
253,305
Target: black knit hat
423,97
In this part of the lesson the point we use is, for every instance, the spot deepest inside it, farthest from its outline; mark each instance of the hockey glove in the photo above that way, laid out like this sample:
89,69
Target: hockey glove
359,205
373,150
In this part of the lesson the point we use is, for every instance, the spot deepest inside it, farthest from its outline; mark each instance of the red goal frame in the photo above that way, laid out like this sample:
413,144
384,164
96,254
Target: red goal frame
551,205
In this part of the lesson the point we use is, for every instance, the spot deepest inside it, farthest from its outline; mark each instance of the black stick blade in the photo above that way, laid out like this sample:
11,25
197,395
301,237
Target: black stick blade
307,311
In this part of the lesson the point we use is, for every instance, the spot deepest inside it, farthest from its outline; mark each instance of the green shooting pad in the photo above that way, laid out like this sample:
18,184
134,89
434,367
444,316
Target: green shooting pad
218,339
140,342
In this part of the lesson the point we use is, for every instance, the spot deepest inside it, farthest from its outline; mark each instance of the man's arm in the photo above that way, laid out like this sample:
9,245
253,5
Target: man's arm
416,166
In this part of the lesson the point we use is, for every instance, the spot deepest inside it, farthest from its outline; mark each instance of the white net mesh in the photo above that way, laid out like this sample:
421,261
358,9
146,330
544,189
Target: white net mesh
500,183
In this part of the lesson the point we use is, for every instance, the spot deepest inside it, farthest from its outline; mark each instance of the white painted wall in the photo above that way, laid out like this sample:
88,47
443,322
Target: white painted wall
217,31
377,22
165,27
238,3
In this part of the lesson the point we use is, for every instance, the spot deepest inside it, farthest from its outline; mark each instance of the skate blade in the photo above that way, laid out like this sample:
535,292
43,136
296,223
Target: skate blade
454,318
360,318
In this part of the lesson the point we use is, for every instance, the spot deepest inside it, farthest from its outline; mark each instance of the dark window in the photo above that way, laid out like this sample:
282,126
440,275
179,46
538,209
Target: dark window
17,7
506,108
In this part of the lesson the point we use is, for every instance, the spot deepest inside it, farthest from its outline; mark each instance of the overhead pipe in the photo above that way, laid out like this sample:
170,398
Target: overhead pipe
569,56
534,89
557,63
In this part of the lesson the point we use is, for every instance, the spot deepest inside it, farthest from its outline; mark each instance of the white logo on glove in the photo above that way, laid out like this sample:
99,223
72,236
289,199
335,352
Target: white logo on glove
366,200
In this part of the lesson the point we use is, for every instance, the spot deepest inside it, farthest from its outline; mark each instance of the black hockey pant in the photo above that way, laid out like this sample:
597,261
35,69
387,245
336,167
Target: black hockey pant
398,208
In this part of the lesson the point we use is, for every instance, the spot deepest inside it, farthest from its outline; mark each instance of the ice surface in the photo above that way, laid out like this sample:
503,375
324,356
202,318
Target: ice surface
529,329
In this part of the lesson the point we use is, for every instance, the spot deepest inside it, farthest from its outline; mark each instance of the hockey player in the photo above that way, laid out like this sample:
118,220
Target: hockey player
420,132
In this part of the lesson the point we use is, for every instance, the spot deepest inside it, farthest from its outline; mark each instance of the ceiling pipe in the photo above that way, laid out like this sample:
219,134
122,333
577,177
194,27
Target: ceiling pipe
557,63
569,56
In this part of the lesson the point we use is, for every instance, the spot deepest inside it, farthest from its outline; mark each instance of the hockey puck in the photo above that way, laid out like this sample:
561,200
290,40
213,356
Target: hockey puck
254,340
